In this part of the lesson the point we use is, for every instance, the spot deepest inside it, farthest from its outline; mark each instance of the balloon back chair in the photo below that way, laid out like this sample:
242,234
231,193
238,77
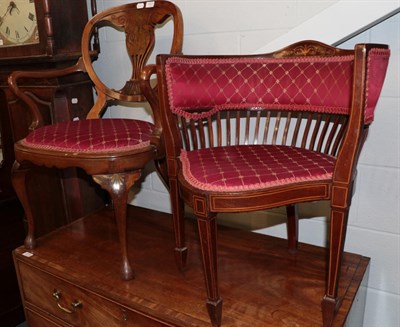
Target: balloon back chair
247,133
112,151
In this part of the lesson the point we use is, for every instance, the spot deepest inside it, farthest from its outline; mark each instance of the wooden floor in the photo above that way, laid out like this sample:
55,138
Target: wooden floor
261,283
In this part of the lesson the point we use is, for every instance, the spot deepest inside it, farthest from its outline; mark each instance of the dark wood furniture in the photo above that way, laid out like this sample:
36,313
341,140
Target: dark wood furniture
12,234
49,23
56,44
66,269
112,151
246,133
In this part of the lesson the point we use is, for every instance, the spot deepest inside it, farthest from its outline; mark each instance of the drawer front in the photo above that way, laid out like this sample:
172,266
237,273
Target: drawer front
72,304
35,319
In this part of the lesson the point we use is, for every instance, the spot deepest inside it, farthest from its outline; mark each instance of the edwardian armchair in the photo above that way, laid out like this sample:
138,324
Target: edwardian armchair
112,151
246,133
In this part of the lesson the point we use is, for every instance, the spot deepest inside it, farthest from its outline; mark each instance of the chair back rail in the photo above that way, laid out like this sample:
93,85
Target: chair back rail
313,131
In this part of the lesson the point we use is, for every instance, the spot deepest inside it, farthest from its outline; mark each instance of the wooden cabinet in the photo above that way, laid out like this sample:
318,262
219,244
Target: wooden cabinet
72,304
264,285
11,235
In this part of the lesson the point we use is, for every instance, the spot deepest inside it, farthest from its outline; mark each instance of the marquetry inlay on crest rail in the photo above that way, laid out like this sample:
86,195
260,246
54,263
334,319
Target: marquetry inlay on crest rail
307,50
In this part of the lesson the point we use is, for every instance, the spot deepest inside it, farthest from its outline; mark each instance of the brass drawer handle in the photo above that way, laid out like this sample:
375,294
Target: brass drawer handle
74,305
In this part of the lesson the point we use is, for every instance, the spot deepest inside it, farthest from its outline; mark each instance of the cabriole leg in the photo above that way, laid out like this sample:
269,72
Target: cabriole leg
19,175
118,186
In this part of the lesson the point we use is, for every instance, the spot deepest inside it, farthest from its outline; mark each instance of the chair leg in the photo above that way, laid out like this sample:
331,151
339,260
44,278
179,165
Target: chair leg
292,228
118,186
178,216
19,175
208,242
178,213
330,302
162,169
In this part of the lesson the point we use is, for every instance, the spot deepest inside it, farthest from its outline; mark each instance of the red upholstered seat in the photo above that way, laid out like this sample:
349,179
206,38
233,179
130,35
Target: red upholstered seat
252,167
92,135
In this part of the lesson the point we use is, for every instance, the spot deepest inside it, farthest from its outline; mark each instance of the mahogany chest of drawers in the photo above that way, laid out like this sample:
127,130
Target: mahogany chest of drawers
72,278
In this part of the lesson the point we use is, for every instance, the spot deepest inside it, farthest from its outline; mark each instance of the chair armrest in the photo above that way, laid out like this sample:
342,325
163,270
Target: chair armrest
148,90
371,62
16,76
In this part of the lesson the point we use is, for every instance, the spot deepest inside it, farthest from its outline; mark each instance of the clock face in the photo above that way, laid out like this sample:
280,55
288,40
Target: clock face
18,24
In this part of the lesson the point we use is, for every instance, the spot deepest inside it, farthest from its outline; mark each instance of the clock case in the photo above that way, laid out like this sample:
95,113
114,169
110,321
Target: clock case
60,25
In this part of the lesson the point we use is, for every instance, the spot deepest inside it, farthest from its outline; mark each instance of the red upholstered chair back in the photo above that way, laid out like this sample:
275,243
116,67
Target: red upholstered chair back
318,84
290,98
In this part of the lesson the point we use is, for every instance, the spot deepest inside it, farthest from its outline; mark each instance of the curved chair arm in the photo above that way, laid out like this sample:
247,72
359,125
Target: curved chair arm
357,128
16,76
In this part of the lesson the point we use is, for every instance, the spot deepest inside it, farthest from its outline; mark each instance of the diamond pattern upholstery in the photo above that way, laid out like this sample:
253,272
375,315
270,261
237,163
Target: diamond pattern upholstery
318,84
92,135
252,167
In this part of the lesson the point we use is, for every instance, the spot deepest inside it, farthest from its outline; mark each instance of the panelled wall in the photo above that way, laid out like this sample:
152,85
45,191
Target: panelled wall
234,27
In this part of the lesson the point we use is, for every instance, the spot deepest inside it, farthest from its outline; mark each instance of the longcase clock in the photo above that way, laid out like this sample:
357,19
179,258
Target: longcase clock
41,29
18,23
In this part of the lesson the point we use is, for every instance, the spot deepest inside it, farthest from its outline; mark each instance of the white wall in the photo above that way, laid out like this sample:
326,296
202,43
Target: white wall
233,27
375,215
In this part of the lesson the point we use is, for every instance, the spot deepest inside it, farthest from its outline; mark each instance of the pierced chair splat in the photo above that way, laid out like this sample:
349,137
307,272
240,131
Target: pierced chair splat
247,133
113,151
